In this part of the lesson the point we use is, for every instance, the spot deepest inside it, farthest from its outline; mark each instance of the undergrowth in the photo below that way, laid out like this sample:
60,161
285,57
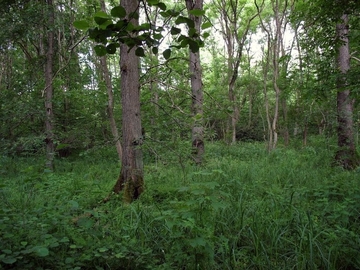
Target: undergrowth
243,209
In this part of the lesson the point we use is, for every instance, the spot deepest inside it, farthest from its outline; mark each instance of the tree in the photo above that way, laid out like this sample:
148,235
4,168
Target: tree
236,22
337,76
275,54
197,132
346,156
48,90
131,179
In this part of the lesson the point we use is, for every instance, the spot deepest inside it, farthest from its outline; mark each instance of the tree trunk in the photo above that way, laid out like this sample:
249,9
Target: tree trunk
197,133
49,117
131,179
346,156
110,105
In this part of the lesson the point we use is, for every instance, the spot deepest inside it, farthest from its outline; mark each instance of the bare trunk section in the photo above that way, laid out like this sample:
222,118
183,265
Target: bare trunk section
49,116
266,99
110,104
131,179
346,156
197,132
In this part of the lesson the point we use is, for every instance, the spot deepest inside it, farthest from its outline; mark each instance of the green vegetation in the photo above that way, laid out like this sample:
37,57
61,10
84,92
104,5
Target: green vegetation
243,209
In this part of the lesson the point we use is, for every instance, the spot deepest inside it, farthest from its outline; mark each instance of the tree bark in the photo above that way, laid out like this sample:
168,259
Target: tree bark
197,132
131,179
49,116
346,155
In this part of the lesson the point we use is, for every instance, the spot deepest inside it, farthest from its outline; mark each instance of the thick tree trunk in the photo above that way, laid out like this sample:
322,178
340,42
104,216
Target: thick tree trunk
49,116
346,156
131,179
197,133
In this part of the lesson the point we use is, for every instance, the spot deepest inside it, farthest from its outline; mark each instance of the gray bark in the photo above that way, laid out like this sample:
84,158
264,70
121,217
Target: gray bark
131,175
346,156
197,133
49,114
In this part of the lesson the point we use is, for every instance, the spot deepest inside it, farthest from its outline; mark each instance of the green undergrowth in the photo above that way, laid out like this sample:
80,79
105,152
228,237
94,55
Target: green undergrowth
243,209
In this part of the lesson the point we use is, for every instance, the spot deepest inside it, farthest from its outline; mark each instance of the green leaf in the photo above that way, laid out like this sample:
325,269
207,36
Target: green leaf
158,36
165,14
85,222
155,50
134,15
197,12
111,48
190,23
194,46
206,25
103,249
130,27
81,25
100,20
193,33
41,251
144,26
174,30
8,260
101,14
118,12
206,34
161,5
139,52
180,20
167,53
100,50
105,24
152,2
74,205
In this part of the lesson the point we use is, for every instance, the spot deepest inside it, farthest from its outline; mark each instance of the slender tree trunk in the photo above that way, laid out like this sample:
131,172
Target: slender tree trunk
131,179
266,99
49,117
197,133
110,104
346,156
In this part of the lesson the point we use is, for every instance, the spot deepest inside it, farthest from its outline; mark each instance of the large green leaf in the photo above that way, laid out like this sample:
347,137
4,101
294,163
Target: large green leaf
41,251
118,12
100,50
140,52
167,53
161,5
206,25
101,14
197,12
111,48
193,45
174,30
155,50
81,25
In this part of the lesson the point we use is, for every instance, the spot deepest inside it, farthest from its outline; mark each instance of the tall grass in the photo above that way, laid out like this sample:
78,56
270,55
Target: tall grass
243,209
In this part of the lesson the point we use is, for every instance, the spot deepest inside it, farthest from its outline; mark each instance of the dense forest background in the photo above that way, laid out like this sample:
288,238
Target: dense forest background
268,74
237,121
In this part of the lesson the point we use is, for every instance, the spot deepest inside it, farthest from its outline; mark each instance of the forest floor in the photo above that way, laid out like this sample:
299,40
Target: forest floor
243,209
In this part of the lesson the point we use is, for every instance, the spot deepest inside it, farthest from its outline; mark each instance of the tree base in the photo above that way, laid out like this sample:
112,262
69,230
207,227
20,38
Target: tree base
347,159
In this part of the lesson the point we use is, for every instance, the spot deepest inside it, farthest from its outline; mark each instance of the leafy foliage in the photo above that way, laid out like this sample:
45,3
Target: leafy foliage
242,209
117,27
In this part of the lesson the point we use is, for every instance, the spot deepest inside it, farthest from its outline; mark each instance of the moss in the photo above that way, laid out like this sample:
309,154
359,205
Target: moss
133,189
